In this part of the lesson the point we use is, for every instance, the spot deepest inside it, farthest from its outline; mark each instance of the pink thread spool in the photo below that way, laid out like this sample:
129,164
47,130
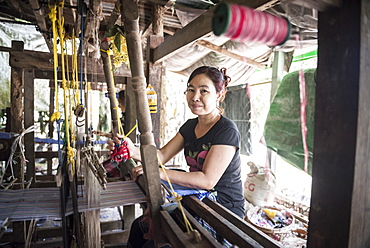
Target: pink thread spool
244,24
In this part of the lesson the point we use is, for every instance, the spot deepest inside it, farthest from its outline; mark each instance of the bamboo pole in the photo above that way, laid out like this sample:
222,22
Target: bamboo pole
111,91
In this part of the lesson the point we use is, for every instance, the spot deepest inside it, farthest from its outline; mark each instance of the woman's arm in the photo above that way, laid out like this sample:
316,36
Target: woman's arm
217,160
173,147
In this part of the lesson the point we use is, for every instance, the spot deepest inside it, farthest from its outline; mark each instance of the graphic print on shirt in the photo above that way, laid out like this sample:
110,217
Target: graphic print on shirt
196,159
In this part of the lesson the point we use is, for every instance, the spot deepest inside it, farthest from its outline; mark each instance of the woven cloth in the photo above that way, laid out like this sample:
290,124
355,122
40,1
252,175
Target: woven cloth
25,204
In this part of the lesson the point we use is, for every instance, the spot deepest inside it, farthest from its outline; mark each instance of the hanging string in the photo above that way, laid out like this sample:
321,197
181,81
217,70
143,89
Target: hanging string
131,130
303,94
81,48
72,89
245,24
178,198
75,68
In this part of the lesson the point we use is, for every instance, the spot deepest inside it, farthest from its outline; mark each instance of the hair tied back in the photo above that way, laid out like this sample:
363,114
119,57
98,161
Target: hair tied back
227,79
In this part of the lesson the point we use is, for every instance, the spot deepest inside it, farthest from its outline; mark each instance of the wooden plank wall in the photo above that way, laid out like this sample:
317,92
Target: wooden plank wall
340,164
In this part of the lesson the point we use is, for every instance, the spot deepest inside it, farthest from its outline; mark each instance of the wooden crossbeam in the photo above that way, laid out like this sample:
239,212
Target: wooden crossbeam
197,29
207,240
174,234
220,224
44,62
246,227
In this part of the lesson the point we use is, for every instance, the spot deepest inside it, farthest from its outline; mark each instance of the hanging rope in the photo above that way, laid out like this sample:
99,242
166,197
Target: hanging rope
60,23
69,86
75,69
53,18
56,116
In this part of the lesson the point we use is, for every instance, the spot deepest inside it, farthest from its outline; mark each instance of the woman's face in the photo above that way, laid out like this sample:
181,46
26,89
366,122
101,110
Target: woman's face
201,95
121,104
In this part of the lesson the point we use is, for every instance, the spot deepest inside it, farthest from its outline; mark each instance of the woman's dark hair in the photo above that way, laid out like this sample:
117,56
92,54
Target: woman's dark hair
218,77
121,95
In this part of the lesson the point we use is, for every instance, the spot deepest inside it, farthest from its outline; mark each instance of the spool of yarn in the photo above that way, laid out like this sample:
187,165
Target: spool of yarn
245,24
152,99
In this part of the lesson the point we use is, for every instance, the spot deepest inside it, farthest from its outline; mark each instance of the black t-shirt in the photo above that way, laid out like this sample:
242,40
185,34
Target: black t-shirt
224,132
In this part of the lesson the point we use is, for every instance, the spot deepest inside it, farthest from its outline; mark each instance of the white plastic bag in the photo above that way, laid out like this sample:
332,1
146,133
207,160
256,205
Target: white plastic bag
259,186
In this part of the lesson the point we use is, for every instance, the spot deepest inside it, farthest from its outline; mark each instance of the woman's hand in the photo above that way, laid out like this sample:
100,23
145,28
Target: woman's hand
133,150
112,143
136,172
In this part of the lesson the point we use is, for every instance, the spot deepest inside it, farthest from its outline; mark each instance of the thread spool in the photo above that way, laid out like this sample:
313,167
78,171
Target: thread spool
152,99
245,24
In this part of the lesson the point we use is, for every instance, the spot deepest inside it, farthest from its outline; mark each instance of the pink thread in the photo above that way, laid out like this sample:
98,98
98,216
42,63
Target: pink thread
248,25
303,96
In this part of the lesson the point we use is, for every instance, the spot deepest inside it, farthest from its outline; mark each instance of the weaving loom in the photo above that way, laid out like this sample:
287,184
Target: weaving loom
26,204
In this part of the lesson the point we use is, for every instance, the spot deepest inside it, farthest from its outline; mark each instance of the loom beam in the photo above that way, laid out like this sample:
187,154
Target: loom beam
130,18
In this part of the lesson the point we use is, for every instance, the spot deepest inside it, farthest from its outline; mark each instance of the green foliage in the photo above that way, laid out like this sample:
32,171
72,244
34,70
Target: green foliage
116,31
4,93
283,131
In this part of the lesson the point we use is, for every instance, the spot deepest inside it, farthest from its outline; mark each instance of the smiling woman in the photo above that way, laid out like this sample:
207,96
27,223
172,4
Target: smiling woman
211,144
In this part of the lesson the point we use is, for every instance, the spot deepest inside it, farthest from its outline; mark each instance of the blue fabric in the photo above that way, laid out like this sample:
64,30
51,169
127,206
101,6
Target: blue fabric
183,191
46,140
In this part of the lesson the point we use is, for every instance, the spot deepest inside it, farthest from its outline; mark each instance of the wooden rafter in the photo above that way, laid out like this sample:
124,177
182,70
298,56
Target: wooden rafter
268,5
195,30
41,23
225,52
321,5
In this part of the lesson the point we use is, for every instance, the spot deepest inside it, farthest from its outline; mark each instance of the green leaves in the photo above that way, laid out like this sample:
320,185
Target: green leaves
111,32
117,42
116,31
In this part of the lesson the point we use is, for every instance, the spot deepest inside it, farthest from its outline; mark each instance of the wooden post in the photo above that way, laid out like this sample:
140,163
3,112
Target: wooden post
155,75
130,107
340,187
157,19
29,120
155,70
16,126
359,234
130,121
92,218
111,91
16,98
130,17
